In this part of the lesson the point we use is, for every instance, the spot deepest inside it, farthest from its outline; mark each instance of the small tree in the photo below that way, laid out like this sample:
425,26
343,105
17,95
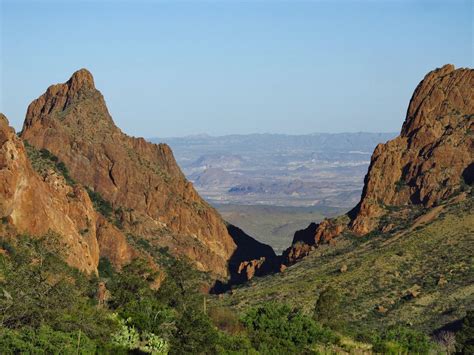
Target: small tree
194,334
465,337
401,340
327,307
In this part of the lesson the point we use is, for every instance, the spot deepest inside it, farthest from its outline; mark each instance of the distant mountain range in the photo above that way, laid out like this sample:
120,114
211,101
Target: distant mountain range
278,169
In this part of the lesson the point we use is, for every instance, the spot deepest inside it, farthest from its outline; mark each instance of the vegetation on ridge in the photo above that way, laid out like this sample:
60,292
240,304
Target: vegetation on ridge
42,161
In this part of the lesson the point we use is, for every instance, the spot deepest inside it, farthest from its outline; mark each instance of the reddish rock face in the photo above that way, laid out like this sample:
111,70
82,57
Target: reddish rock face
141,179
296,252
328,229
113,244
249,268
434,152
36,205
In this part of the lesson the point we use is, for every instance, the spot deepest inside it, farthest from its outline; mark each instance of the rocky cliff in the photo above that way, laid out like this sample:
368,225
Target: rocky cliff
149,195
432,157
431,160
40,203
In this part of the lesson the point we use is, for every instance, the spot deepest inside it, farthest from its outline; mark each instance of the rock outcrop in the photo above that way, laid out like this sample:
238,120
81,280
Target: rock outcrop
427,163
149,194
36,204
432,156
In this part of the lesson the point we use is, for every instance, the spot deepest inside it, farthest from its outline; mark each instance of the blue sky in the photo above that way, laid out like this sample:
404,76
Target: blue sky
173,68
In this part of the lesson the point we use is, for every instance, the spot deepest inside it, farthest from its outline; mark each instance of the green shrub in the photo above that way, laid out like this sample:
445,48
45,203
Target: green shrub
327,307
45,340
129,338
226,320
194,333
465,337
277,328
105,268
234,344
100,204
41,289
401,340
105,208
42,160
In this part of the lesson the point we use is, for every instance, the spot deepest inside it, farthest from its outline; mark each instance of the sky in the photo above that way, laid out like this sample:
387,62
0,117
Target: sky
175,68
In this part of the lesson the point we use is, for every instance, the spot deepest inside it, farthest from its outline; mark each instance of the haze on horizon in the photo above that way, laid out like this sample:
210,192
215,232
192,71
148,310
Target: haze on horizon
229,67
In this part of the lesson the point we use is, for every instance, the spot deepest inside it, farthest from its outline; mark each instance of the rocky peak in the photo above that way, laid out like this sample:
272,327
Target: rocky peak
427,162
142,181
82,78
77,96
3,120
4,128
424,91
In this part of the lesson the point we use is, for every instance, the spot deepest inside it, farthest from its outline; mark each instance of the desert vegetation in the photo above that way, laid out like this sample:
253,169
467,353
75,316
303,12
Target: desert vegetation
50,307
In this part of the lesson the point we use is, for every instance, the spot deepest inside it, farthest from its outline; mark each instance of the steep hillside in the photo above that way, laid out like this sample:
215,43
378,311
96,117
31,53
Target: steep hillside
149,195
421,274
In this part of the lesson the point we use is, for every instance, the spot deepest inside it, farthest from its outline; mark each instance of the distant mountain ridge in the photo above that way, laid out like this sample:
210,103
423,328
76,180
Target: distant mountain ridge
333,141
277,169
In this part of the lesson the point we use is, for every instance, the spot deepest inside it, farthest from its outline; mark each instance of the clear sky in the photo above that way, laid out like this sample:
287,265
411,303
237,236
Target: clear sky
173,68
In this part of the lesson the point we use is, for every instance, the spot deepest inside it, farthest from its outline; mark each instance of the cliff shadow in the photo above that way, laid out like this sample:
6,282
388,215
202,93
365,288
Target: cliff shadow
248,249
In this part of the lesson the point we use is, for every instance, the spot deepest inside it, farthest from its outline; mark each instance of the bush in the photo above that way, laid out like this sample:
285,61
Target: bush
327,307
194,333
277,328
42,160
100,204
105,268
41,289
234,344
397,340
226,320
45,340
128,337
465,337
